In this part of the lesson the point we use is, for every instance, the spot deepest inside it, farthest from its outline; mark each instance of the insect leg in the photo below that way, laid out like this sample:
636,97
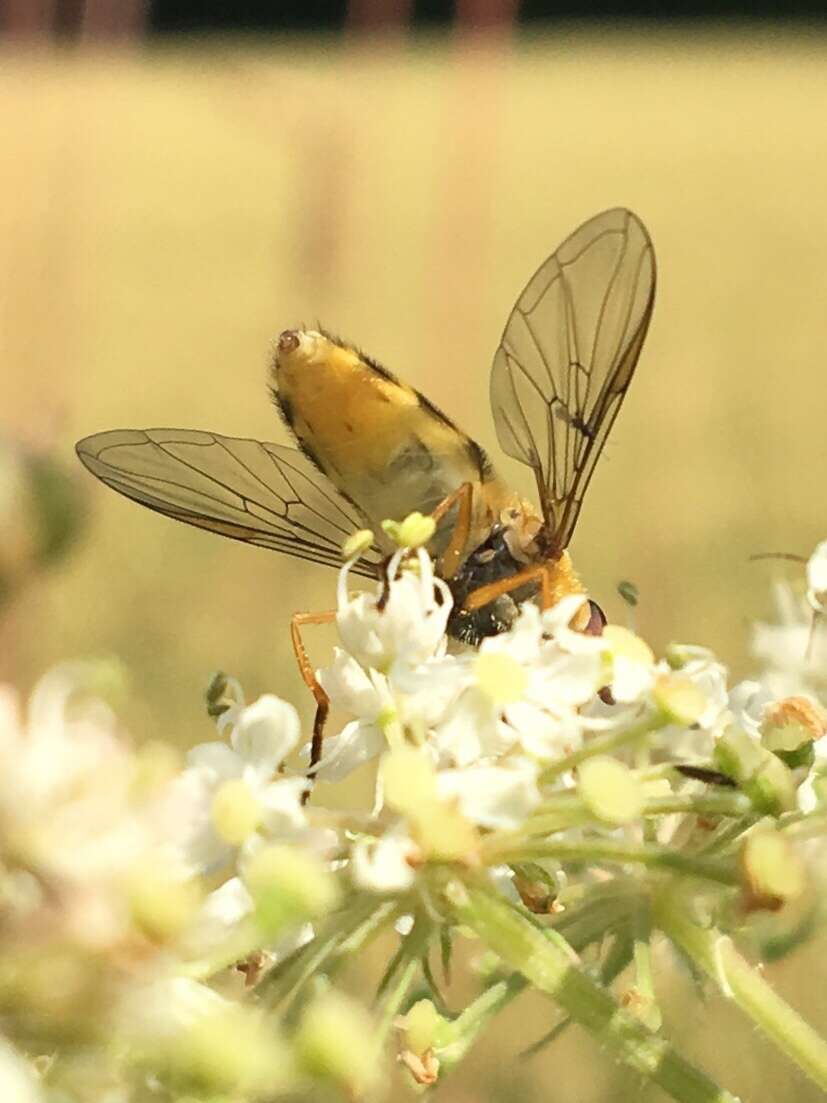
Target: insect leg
297,621
463,497
535,572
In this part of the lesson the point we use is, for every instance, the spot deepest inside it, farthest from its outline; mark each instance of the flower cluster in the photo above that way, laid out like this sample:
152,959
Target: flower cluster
559,797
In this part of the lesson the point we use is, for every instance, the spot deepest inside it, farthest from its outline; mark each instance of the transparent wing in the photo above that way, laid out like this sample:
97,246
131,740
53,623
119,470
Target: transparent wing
567,356
264,494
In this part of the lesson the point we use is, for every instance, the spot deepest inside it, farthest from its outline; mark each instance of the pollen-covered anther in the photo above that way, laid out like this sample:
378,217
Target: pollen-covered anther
414,532
356,544
791,722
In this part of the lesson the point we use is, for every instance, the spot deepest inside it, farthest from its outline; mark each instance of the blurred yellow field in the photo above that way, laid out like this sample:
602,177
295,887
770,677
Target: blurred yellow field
164,214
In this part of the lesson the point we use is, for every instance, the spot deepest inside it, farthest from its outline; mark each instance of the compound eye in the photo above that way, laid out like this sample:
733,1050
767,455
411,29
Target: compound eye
597,620
288,340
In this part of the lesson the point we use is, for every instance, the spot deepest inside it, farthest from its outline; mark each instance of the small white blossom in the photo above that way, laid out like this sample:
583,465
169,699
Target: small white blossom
235,790
409,627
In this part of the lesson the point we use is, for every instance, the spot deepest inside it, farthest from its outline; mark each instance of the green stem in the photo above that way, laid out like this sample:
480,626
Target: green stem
717,956
547,961
564,810
463,1032
497,850
604,743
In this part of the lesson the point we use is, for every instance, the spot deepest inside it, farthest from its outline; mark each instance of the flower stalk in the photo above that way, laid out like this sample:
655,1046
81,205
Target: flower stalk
715,953
546,960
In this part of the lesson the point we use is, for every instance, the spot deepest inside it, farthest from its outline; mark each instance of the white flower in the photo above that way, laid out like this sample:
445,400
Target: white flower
497,796
747,703
384,864
793,651
235,790
710,676
408,627
524,687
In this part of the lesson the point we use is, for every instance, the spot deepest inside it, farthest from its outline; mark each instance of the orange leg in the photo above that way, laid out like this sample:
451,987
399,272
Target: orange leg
535,572
309,678
450,558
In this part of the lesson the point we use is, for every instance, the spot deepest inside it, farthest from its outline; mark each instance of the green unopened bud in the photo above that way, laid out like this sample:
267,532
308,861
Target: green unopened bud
357,544
762,776
232,1050
773,871
289,886
610,789
334,1042
236,812
415,531
162,903
679,699
422,1025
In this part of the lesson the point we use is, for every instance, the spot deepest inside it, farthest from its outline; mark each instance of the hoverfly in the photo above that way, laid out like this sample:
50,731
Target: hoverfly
370,447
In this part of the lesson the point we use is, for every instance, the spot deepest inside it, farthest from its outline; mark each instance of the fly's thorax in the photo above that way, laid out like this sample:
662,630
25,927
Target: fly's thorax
379,441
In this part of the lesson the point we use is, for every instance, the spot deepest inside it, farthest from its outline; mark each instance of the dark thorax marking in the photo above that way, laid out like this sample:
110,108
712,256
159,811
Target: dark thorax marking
490,562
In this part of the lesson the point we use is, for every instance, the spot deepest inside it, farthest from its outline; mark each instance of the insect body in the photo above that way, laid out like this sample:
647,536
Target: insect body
371,447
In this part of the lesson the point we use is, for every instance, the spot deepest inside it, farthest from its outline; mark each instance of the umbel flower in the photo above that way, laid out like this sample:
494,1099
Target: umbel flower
206,913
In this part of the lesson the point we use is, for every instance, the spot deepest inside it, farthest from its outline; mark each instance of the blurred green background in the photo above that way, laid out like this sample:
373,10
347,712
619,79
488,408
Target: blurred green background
165,213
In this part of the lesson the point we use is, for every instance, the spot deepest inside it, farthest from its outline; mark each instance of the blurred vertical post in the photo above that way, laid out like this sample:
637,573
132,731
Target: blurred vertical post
83,19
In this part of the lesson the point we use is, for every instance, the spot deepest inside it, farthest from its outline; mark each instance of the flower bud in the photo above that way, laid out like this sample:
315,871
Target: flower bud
334,1042
161,901
773,871
230,1049
422,1030
610,789
679,699
288,886
762,776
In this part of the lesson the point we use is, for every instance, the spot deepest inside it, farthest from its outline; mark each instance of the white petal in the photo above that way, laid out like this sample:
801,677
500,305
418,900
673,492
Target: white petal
544,734
817,575
282,803
266,732
568,680
472,729
383,865
217,761
630,680
355,744
349,686
227,904
492,796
